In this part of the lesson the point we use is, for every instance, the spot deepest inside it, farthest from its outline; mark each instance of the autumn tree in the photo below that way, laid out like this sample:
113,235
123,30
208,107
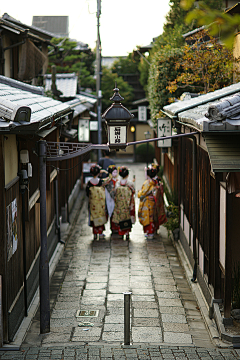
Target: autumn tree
206,65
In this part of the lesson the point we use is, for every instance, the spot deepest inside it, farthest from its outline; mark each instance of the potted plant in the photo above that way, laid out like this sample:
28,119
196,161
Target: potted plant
172,224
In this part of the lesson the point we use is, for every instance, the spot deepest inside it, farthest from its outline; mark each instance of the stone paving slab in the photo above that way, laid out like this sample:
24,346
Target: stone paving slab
174,310
175,327
177,338
146,313
172,318
147,334
155,322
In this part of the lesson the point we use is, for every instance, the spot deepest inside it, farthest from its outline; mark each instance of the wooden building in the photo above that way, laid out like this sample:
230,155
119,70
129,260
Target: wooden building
26,116
203,170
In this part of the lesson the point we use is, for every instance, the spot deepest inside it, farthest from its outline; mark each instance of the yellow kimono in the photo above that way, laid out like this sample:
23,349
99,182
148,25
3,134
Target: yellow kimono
147,202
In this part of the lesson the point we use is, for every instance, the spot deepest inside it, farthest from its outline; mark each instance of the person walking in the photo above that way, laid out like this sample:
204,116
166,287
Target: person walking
97,210
147,203
105,162
110,186
159,214
124,210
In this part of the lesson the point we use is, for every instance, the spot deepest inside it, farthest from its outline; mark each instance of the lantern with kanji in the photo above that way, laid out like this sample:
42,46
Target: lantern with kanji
117,118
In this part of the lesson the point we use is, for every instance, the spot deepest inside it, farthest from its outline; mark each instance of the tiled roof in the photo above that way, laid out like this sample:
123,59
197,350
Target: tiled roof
193,111
7,20
66,83
81,103
44,110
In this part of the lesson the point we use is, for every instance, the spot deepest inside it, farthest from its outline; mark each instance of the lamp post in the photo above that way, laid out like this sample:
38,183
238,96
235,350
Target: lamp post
117,118
147,136
133,130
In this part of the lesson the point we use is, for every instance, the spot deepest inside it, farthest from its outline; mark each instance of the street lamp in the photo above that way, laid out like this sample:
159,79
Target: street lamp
117,118
147,136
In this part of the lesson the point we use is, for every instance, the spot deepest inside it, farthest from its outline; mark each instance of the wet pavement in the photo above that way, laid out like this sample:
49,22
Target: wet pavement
87,301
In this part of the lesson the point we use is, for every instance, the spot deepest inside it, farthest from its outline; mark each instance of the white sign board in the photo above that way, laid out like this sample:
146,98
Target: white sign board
142,113
164,129
83,130
117,135
93,126
87,166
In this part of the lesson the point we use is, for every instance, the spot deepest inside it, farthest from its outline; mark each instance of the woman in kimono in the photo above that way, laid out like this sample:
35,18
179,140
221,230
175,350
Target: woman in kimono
96,195
110,186
159,211
147,203
124,210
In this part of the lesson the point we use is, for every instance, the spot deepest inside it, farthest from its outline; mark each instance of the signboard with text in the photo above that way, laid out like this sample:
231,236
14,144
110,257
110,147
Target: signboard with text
117,135
164,127
142,113
83,130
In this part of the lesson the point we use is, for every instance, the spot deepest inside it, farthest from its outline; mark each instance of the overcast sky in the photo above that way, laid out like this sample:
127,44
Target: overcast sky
124,24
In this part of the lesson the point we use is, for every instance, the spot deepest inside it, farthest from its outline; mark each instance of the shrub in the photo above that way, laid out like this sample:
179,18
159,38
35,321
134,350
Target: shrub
145,153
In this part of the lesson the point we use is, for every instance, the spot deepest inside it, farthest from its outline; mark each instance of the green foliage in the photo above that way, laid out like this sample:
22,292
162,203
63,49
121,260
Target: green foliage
143,68
176,68
210,13
127,65
172,38
173,218
175,18
236,287
162,71
107,85
145,152
69,60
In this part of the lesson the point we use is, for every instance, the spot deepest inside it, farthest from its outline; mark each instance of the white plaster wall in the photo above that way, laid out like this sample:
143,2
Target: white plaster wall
10,158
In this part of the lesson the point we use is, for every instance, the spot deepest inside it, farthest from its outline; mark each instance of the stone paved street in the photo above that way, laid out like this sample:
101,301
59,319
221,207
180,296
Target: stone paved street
166,321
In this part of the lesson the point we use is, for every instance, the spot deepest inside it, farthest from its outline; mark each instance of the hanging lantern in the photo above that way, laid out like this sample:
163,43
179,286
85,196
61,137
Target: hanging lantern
117,118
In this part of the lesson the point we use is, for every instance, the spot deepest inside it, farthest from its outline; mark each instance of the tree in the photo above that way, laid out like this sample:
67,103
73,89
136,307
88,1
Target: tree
128,65
107,85
67,60
210,13
167,76
206,65
161,71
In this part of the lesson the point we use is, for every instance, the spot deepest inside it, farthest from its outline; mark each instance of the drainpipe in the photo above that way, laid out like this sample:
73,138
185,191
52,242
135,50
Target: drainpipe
194,206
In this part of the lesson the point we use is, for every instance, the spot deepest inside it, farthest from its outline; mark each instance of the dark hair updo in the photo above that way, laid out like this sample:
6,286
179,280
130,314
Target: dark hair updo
123,171
151,172
111,168
95,170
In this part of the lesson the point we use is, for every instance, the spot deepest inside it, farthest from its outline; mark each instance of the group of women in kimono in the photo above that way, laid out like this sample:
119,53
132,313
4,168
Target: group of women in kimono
114,198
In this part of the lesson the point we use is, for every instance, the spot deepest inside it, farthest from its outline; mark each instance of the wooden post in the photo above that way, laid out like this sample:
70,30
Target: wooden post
1,314
44,263
228,258
216,269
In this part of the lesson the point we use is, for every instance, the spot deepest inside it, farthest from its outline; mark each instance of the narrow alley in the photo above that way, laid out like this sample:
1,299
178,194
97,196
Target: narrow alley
90,280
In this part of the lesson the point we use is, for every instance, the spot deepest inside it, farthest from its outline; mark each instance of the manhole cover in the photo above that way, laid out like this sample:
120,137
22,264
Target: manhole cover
87,313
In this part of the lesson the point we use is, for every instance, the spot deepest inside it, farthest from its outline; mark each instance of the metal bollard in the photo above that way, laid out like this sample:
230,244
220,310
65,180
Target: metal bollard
127,299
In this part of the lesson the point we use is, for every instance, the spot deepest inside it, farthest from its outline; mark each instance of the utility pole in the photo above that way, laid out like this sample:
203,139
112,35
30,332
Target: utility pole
98,82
